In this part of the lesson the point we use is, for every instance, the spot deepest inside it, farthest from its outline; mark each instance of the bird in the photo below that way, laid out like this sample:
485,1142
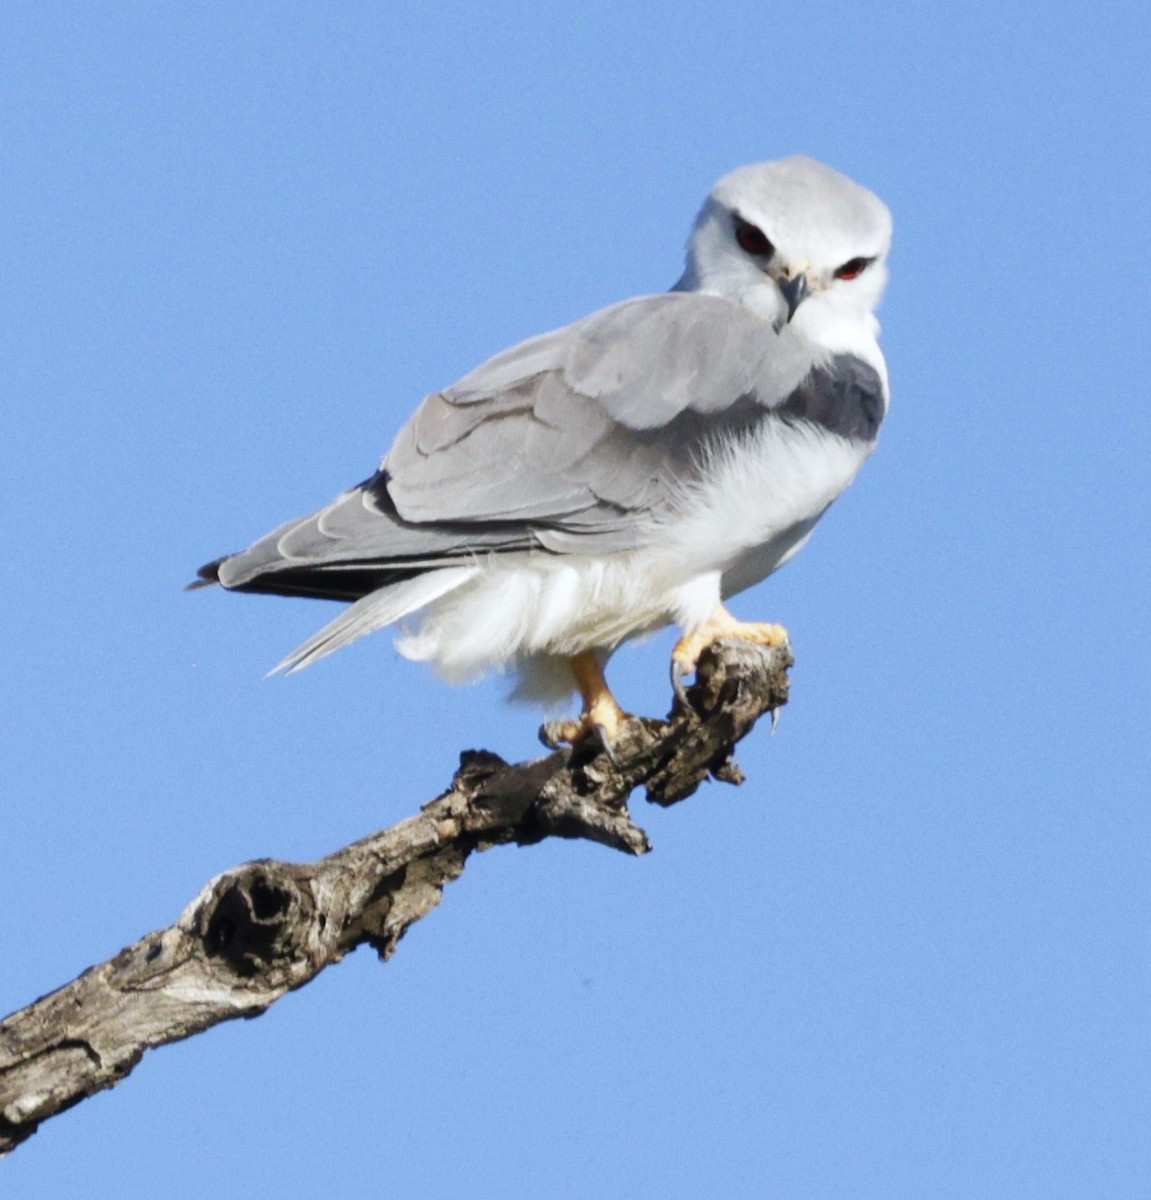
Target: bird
629,471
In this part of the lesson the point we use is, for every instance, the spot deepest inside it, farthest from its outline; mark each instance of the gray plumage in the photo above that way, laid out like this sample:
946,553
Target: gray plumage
568,443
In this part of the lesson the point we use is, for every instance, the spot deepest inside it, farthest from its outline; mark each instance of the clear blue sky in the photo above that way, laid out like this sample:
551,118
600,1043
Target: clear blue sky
910,957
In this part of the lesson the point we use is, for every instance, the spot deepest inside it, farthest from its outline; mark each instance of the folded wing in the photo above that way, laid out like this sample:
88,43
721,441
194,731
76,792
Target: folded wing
570,442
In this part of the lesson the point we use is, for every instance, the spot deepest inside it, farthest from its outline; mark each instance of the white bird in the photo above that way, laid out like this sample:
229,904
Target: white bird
624,472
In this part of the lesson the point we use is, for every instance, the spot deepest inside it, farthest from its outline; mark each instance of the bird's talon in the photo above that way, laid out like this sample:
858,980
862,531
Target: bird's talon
574,732
721,624
607,741
551,735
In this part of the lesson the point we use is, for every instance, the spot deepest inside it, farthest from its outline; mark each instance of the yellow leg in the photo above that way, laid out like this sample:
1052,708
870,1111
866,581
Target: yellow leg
601,713
721,624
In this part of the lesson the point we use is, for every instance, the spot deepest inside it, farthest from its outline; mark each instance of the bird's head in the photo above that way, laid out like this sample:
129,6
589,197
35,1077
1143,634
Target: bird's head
791,239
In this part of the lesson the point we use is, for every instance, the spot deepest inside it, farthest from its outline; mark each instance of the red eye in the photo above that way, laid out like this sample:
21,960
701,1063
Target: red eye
853,267
752,240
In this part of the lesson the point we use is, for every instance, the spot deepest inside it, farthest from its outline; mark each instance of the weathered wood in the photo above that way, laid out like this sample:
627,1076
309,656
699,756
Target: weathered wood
266,928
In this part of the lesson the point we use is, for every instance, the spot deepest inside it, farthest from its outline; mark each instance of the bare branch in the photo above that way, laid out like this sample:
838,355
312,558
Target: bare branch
267,927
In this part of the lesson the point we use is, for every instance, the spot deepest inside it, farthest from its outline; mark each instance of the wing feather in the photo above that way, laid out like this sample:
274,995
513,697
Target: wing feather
570,443
590,414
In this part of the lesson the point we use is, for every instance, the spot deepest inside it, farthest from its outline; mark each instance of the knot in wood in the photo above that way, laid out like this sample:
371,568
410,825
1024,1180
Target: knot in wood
249,918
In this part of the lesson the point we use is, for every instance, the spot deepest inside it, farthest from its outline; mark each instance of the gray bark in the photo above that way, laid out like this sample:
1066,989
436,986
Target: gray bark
267,927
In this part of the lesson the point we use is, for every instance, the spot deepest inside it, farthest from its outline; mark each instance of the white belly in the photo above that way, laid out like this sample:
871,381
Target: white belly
754,507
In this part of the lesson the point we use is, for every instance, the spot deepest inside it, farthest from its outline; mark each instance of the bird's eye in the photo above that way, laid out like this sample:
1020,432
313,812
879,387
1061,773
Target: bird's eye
853,267
752,240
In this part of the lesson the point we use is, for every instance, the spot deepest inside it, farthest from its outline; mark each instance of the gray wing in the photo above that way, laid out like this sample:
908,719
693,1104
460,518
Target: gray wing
568,442
589,427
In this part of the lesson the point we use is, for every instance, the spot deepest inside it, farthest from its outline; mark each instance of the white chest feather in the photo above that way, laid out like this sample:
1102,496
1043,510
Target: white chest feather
757,492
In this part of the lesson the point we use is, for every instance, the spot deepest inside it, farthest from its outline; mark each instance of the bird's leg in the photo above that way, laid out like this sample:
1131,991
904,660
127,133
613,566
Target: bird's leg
601,714
721,624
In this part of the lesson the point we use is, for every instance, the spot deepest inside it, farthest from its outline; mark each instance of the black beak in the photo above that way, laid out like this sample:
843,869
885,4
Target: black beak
795,292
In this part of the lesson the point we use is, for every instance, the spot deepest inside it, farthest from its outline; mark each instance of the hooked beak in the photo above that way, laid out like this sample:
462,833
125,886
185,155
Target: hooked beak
795,290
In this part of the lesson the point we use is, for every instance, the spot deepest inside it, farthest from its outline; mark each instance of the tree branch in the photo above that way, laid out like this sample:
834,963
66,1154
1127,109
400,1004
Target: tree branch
267,927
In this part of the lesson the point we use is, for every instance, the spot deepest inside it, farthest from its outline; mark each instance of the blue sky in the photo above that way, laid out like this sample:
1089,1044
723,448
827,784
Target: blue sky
910,957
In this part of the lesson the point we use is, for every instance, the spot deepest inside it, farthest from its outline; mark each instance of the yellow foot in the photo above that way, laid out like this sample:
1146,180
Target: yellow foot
721,624
602,716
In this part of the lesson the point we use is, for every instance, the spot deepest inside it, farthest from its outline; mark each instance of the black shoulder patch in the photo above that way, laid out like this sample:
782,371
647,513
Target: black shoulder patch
844,396
377,488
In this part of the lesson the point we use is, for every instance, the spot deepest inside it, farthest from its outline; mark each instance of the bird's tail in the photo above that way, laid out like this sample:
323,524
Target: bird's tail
377,609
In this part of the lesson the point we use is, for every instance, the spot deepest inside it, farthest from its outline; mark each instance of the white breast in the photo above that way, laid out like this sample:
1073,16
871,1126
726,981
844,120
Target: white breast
757,493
